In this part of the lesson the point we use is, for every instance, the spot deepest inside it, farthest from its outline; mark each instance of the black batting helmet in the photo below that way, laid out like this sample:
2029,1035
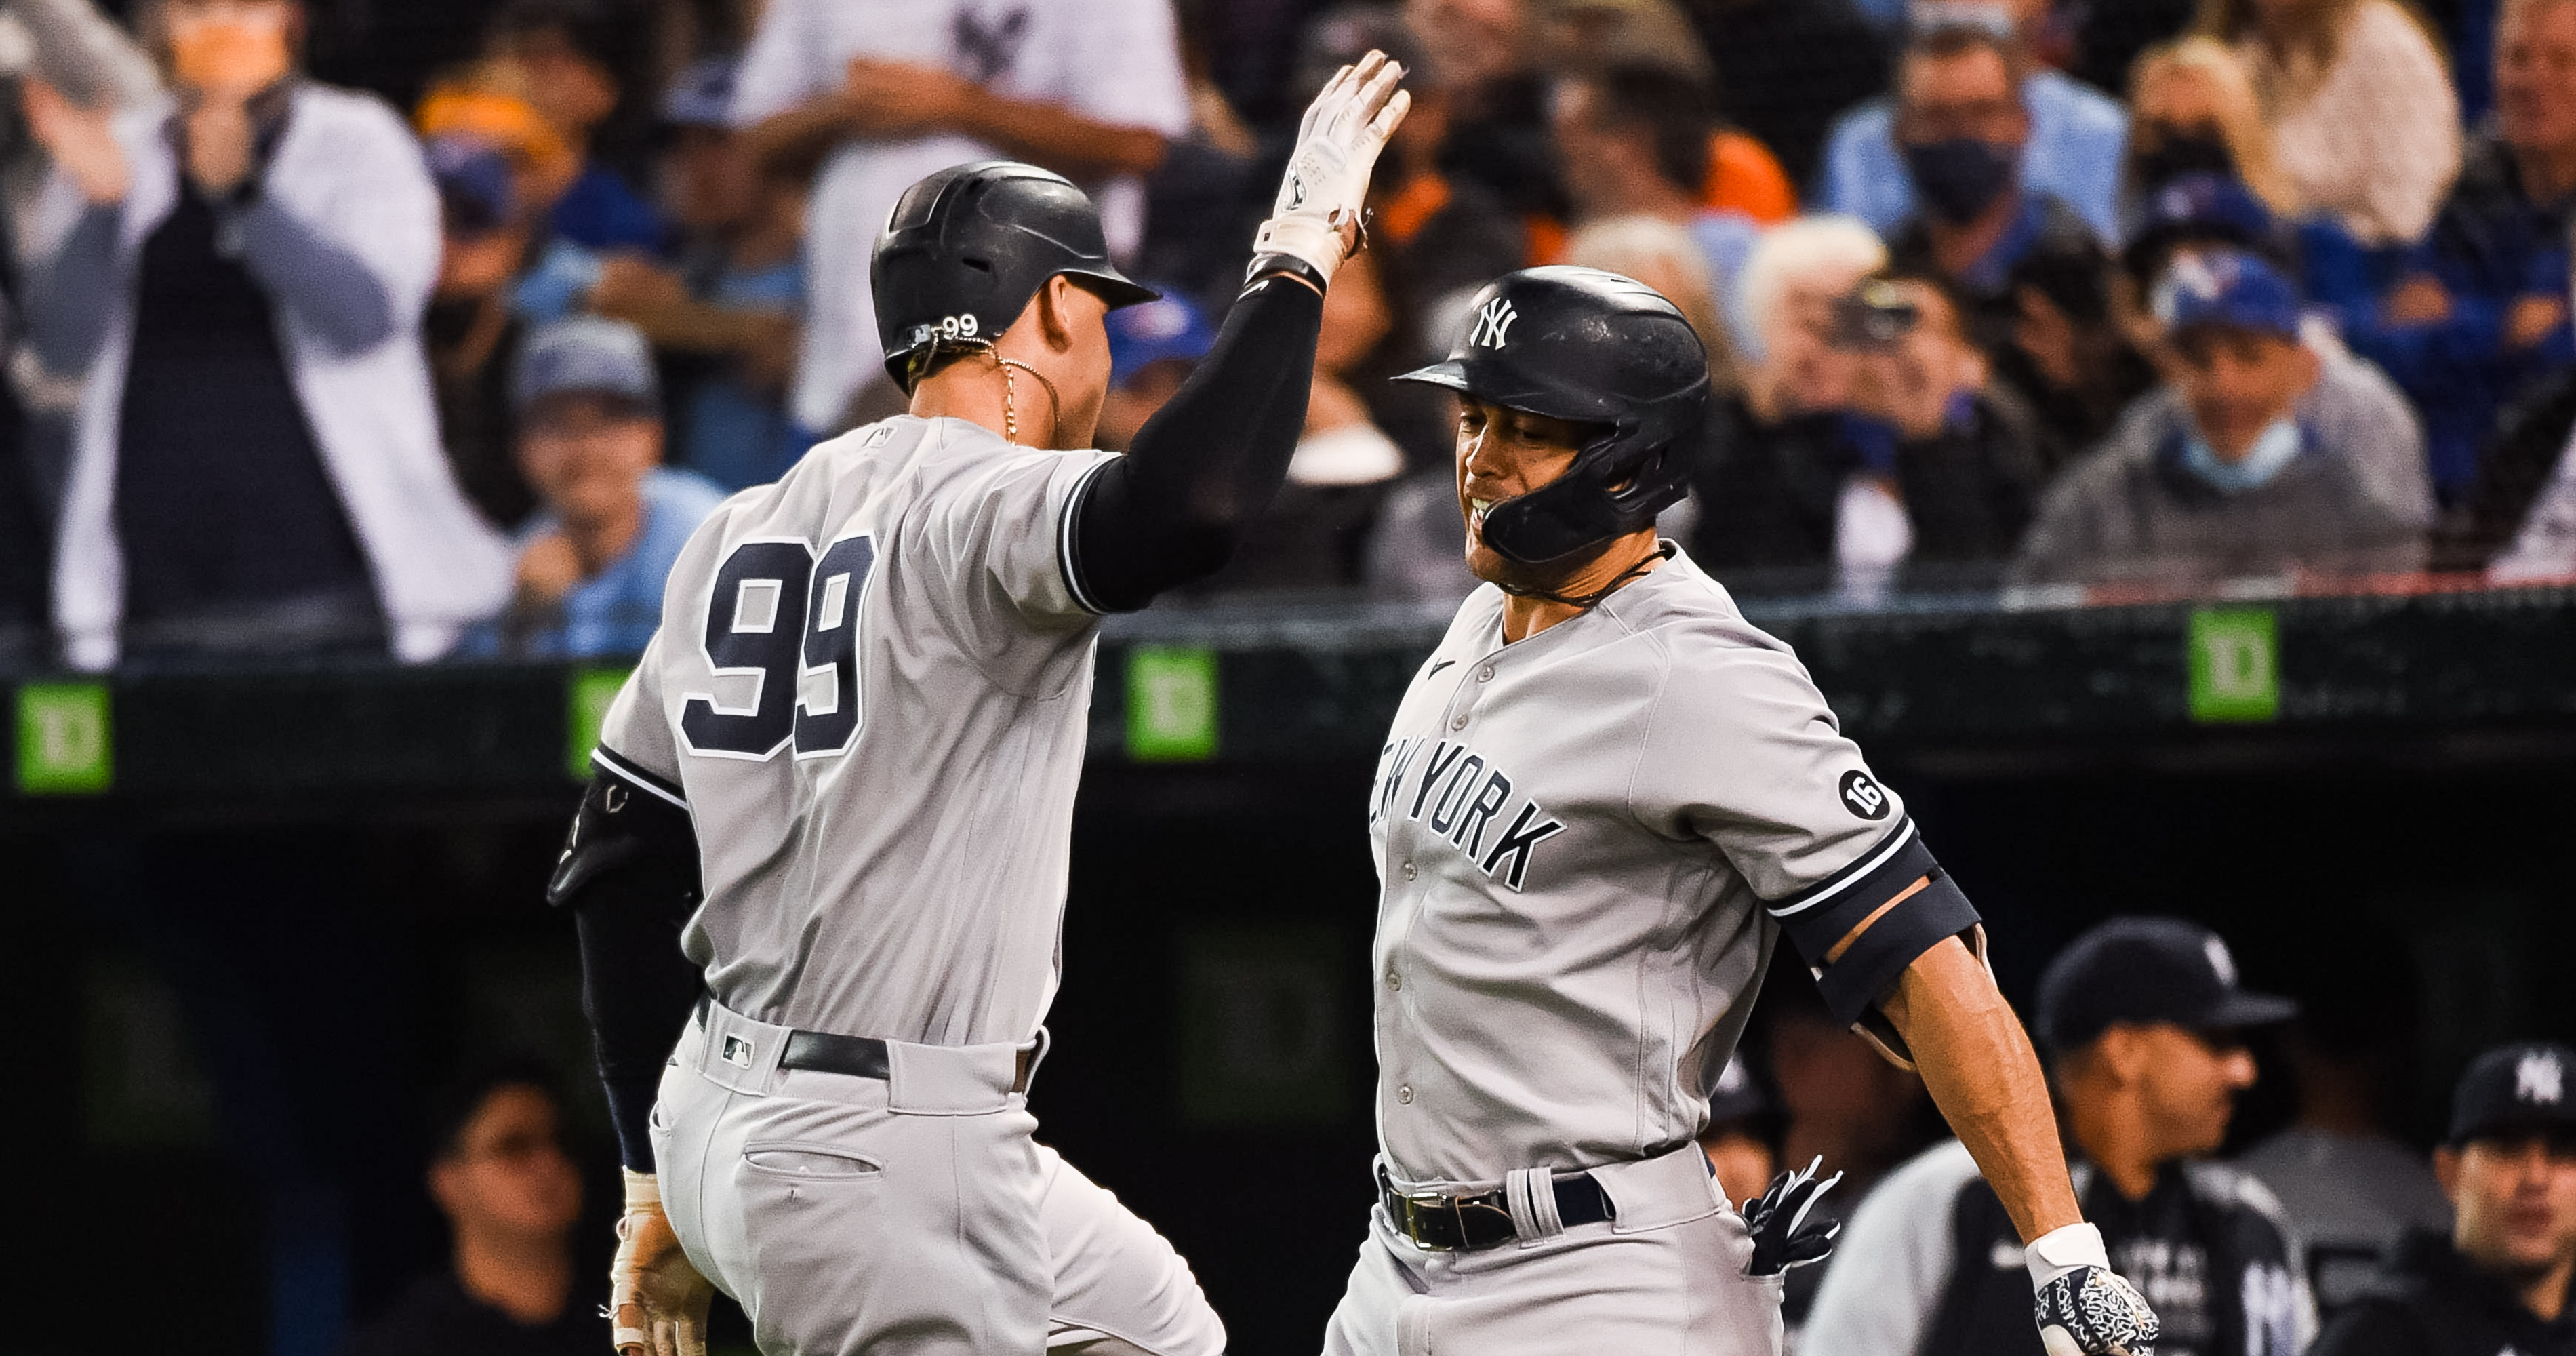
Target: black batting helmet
1595,348
967,247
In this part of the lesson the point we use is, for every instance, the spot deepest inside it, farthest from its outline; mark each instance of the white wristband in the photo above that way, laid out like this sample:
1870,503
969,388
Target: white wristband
643,1190
2060,1251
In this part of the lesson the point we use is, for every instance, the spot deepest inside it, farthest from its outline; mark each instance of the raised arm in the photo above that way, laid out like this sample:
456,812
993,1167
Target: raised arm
1213,458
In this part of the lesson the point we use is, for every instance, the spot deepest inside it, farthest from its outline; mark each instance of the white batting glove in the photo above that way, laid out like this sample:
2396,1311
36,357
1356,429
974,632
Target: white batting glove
1317,216
2083,1307
657,1301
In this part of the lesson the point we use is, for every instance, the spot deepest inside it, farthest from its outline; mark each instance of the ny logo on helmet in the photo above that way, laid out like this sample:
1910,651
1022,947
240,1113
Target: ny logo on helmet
1493,322
2537,1078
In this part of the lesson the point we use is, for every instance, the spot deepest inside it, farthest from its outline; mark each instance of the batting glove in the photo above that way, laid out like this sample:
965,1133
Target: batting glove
1316,219
1783,1240
657,1301
2084,1308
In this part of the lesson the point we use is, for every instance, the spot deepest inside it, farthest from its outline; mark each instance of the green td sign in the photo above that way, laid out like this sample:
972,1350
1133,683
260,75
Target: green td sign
2235,665
64,744
1171,703
587,694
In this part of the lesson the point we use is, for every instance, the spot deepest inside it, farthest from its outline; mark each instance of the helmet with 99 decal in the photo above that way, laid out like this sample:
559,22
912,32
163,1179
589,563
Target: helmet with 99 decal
966,248
1593,348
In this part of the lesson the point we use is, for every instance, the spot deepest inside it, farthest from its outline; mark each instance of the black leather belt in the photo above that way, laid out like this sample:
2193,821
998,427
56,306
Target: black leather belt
856,1056
1441,1223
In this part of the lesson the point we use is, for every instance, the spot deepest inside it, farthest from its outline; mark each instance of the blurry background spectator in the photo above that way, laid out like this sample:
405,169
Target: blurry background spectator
1787,68
2192,110
1655,251
893,89
726,320
2028,268
1769,482
1613,43
1497,110
2482,311
1634,141
570,54
593,561
2142,1021
256,465
2359,104
2256,457
511,1196
2067,138
1438,238
2346,1183
2499,1281
471,330
1153,348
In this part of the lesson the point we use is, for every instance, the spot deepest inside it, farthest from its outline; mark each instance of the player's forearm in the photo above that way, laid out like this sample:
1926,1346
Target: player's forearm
1209,461
1981,1071
1059,138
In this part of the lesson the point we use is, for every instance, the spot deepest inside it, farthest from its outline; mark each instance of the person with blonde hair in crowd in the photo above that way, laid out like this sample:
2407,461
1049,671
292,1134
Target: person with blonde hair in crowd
2193,110
2360,105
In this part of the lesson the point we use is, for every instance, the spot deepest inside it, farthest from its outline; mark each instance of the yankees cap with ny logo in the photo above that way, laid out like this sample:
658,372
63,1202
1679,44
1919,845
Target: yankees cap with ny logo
2524,1087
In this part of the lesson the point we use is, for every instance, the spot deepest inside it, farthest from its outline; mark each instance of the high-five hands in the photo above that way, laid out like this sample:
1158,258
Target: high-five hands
1317,217
657,1301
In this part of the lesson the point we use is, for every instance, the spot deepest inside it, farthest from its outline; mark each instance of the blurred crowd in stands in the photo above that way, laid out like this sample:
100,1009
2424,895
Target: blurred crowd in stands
2019,300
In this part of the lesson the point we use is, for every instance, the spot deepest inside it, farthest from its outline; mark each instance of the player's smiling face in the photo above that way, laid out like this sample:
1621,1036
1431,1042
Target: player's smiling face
1503,454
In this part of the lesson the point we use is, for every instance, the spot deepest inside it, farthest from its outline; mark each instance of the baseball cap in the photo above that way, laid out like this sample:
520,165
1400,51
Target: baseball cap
702,95
1924,18
1155,331
586,353
2215,208
2226,287
2145,972
474,183
2521,1086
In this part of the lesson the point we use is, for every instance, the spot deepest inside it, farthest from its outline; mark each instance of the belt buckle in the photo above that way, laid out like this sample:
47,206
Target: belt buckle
1420,1209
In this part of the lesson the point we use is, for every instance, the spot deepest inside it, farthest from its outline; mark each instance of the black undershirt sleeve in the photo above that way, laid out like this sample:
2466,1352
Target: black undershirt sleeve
1207,464
630,875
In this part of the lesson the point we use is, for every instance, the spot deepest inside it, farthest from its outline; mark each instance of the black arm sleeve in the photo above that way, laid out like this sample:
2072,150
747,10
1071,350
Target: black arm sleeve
629,872
1208,463
1819,918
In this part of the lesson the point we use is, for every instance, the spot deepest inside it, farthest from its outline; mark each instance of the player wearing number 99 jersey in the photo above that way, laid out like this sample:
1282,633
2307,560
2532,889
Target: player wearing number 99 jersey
838,791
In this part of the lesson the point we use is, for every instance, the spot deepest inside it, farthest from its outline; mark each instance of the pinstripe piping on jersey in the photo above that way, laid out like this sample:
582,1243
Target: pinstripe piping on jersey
1842,880
1073,503
625,771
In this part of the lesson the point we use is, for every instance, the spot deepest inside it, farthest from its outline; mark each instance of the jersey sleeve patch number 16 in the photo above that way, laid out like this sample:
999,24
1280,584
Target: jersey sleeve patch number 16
785,620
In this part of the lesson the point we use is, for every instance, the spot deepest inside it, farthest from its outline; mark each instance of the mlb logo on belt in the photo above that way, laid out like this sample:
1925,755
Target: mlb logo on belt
737,1052
1493,323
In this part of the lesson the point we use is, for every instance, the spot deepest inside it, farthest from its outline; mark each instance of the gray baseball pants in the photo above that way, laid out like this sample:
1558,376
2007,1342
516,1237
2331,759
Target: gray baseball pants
1665,1278
904,1216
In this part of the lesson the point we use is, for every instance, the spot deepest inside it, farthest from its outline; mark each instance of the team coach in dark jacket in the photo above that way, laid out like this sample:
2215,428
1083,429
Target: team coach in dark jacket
2499,1283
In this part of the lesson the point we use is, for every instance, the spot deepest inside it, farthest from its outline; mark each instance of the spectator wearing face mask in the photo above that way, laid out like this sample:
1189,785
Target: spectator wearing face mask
2482,313
2068,137
592,562
2142,1021
2499,1280
2359,103
2256,458
2028,268
511,1197
242,272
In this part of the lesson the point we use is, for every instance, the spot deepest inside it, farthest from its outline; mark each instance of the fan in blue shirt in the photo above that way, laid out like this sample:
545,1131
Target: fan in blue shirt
593,559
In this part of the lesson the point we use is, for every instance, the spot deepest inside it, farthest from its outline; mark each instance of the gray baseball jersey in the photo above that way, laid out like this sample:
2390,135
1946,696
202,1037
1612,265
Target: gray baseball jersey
871,689
1588,843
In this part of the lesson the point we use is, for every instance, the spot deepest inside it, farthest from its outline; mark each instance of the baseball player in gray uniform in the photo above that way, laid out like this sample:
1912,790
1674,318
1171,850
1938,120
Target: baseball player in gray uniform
1605,798
824,849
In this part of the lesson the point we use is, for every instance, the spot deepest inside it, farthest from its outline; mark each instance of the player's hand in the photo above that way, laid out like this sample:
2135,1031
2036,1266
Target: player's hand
2090,1311
657,1301
1782,1238
1317,215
